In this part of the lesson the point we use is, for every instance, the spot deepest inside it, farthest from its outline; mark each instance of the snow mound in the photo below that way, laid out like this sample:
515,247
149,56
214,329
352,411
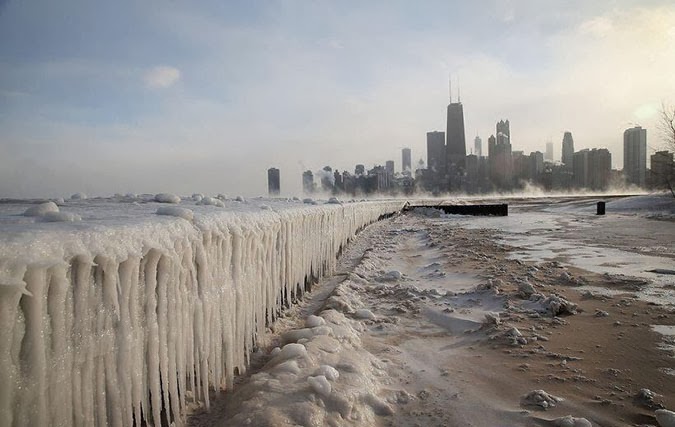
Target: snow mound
308,201
78,196
665,418
320,385
570,421
41,209
290,351
364,313
197,197
211,201
167,198
58,200
239,199
334,201
313,321
60,217
176,211
540,399
329,372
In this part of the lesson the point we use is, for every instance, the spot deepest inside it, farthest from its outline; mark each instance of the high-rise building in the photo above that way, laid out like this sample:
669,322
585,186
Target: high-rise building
359,170
600,169
503,132
568,150
389,167
478,146
456,140
581,167
273,181
635,155
406,163
549,152
308,182
436,152
662,169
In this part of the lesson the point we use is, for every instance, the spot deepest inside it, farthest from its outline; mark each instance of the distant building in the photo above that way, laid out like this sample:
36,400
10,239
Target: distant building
662,170
389,167
478,146
549,152
406,163
308,182
436,152
536,165
327,179
635,155
456,139
600,169
500,156
359,170
568,150
273,181
580,166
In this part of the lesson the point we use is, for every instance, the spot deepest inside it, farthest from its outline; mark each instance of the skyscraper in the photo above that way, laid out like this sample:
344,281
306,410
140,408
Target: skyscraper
549,151
389,167
456,146
436,152
406,163
635,155
568,150
273,181
503,132
308,182
478,146
501,159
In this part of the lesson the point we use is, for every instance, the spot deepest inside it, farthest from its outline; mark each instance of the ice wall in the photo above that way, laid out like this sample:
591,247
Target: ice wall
111,325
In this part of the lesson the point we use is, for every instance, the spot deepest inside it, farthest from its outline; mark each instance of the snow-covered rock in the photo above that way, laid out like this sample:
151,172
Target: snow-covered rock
540,398
320,385
570,421
78,196
314,321
665,418
167,198
41,209
176,211
60,217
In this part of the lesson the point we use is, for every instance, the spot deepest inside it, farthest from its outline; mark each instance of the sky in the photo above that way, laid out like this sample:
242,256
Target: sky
205,96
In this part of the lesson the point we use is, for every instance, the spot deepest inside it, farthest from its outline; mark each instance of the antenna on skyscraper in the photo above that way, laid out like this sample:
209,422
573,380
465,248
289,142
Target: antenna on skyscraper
459,95
450,86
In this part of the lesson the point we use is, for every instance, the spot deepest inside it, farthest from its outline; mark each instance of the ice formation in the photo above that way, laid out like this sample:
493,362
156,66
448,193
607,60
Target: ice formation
176,211
665,418
167,198
136,320
41,209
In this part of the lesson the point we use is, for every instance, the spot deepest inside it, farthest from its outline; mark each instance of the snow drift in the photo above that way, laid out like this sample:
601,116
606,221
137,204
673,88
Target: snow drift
114,324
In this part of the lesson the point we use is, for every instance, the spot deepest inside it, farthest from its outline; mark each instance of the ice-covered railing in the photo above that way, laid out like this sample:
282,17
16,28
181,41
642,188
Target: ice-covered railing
115,322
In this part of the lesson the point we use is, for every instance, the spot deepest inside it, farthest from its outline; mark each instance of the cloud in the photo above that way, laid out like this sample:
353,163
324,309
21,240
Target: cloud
161,77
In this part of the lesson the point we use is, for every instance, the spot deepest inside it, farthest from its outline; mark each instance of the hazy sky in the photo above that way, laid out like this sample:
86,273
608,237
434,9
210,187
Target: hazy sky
184,97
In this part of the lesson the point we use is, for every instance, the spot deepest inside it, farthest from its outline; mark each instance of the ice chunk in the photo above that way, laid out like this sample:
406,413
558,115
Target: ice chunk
320,385
364,313
334,201
665,418
60,217
167,198
78,196
176,211
211,201
391,276
291,351
41,209
540,398
570,421
328,371
314,321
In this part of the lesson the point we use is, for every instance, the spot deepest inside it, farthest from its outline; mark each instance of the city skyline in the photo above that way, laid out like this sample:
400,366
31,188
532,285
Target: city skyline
171,97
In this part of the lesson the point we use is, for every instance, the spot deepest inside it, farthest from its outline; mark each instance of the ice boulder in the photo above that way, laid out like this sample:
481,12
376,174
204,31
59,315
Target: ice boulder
313,321
197,197
391,276
329,372
60,217
540,399
167,198
41,209
364,313
58,200
176,211
78,196
665,418
570,421
319,385
211,201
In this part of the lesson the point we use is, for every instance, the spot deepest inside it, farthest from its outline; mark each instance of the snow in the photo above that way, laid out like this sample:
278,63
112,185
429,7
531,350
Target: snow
167,198
176,211
41,209
147,313
320,385
313,321
60,217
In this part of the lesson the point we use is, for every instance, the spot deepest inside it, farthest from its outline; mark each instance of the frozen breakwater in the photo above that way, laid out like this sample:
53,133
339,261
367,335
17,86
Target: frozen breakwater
109,322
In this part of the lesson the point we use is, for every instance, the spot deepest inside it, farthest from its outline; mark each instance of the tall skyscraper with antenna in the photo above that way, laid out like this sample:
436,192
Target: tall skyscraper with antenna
455,136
